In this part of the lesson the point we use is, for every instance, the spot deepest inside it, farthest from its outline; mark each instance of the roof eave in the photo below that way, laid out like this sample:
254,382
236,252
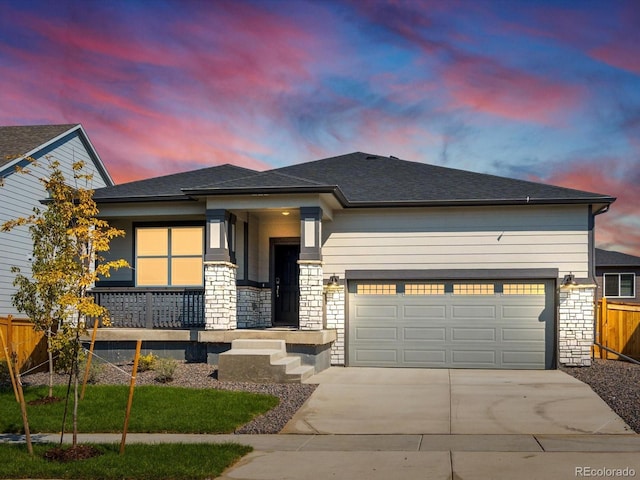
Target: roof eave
332,189
480,202
145,198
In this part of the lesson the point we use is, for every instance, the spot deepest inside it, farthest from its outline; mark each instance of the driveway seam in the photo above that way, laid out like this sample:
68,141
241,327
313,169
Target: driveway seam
535,437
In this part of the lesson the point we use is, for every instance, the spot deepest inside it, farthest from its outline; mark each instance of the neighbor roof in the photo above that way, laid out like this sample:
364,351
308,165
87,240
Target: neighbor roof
20,140
609,258
360,180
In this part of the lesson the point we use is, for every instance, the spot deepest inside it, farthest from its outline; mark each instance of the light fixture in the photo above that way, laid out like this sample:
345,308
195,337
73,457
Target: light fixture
569,280
286,212
334,281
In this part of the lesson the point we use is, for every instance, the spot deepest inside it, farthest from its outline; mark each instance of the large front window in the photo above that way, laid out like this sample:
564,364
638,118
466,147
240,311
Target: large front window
169,256
619,285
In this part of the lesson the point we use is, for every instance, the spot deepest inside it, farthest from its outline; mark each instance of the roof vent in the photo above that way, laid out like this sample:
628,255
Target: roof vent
371,157
393,157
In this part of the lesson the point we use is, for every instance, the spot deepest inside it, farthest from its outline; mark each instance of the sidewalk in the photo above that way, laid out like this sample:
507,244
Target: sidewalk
378,457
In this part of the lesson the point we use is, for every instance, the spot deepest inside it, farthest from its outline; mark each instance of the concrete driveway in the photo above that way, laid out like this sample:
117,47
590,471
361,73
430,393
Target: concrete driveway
424,401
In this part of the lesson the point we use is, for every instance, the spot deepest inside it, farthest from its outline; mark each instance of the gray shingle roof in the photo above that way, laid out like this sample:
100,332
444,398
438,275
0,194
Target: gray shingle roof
361,179
169,186
19,140
609,258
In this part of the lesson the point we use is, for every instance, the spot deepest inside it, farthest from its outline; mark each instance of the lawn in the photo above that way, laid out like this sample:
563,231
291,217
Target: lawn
140,462
155,409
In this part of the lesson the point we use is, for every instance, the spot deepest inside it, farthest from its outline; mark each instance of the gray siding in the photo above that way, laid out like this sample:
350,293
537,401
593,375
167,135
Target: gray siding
19,195
458,238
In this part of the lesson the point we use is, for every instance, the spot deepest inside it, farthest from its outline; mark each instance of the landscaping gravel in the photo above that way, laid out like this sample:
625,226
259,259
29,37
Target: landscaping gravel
202,375
617,383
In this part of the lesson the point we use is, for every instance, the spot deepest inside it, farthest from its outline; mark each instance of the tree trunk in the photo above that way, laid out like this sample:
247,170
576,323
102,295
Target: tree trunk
50,354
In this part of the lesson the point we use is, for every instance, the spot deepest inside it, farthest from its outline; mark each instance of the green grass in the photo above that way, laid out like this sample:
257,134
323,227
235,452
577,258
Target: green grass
140,462
155,409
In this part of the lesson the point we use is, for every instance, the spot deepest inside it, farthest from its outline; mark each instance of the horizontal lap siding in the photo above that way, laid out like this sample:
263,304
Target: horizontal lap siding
18,196
458,238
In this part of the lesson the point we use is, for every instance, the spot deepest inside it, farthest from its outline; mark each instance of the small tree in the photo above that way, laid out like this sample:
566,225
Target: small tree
68,240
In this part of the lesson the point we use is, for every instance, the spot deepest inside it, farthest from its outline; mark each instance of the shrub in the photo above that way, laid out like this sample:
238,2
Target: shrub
165,369
94,370
147,362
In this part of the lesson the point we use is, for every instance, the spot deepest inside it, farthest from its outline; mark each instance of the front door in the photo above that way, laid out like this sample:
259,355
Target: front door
286,292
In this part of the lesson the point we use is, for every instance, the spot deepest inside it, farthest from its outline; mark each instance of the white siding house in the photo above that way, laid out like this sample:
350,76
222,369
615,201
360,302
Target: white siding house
21,193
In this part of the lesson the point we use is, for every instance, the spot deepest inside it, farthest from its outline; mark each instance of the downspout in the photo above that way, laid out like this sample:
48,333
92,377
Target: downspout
604,209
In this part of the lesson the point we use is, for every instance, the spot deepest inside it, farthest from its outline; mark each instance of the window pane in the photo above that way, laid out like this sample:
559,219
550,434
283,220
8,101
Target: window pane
376,289
186,241
424,289
627,285
523,289
473,289
186,271
152,272
610,285
152,241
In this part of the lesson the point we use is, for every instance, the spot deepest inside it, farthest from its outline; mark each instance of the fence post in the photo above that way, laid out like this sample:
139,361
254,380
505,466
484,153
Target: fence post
604,319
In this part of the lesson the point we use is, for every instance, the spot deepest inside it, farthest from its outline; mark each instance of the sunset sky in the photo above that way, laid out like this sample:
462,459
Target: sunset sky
539,90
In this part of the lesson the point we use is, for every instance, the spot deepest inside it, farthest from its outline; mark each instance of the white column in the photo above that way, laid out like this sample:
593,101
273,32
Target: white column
575,325
311,306
220,296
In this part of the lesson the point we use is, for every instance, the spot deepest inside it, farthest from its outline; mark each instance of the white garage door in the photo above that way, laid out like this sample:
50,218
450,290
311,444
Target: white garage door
452,324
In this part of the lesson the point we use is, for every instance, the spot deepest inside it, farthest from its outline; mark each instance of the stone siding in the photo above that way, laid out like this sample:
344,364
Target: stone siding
220,307
335,297
311,310
575,325
254,307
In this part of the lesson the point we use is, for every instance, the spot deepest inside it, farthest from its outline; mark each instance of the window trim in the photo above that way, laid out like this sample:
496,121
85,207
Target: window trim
168,226
619,275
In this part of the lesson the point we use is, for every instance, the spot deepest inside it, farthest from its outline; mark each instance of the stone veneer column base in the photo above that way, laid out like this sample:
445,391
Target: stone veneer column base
220,296
335,320
311,308
575,325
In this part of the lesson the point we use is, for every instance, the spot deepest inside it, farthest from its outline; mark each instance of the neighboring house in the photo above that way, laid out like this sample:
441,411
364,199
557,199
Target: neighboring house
617,275
20,193
358,260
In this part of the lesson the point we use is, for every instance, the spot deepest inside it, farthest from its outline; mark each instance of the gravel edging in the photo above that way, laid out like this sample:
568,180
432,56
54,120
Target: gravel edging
617,382
201,375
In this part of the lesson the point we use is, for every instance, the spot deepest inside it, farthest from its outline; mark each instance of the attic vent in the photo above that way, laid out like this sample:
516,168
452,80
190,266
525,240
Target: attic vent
371,157
394,157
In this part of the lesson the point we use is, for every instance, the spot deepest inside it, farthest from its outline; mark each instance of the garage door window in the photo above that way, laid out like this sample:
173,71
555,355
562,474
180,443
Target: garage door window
473,289
523,289
376,289
424,289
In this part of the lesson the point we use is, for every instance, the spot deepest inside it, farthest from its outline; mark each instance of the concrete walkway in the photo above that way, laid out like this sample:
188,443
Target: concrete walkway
441,424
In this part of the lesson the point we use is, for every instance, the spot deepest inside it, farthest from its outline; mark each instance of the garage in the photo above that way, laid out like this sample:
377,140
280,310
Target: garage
493,324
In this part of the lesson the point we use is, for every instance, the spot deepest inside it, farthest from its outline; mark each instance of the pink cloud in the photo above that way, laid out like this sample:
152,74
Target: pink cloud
484,85
620,227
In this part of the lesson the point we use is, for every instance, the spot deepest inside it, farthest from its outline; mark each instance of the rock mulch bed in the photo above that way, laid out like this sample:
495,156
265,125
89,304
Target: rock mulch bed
617,383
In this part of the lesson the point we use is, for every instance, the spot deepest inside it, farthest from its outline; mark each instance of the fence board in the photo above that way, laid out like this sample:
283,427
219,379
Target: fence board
618,328
28,346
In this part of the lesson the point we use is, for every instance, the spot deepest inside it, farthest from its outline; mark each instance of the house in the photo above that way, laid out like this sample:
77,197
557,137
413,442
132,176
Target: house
19,194
616,275
358,260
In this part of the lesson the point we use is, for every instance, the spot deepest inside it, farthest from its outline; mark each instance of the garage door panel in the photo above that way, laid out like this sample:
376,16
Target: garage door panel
481,312
453,330
431,357
424,333
382,312
425,311
522,335
377,356
473,357
376,333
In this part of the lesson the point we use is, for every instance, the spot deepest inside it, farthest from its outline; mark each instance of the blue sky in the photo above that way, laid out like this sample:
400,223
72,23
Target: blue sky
545,91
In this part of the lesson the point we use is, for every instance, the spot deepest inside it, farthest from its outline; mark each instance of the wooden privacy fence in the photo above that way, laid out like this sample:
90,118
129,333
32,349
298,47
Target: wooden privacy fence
28,346
618,328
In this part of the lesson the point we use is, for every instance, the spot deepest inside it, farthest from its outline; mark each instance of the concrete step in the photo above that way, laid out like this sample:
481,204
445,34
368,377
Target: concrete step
261,361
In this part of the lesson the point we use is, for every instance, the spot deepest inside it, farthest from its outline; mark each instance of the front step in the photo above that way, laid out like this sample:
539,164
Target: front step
261,361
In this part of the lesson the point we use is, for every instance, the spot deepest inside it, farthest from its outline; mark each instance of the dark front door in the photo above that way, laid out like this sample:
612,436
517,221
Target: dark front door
285,285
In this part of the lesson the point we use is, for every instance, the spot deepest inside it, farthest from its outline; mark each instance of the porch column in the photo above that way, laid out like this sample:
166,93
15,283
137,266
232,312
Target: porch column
311,307
220,295
575,324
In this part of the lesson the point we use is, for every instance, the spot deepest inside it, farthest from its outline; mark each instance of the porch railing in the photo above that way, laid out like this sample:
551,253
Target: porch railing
149,308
